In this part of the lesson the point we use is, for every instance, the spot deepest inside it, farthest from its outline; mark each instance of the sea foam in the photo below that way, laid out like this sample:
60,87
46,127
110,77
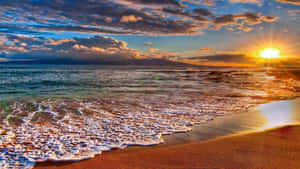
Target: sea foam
73,129
119,107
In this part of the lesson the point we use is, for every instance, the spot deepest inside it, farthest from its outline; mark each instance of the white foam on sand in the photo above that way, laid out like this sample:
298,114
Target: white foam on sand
70,129
58,129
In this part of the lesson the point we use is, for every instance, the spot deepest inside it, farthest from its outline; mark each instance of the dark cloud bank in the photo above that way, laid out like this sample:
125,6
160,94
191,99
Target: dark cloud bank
158,17
24,25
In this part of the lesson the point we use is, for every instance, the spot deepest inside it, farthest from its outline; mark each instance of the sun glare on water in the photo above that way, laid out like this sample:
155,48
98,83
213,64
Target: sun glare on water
270,53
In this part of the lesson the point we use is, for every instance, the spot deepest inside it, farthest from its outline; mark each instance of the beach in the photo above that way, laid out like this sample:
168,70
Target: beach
254,147
277,149
149,84
71,114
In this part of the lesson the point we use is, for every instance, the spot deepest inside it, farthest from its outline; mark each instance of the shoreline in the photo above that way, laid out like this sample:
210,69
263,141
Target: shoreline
273,148
213,131
237,123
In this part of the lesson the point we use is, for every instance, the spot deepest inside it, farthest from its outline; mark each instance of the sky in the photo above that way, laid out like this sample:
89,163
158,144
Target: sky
200,32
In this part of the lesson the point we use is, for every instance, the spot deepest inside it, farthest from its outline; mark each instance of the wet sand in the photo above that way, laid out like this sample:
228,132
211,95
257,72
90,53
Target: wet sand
274,149
252,146
266,116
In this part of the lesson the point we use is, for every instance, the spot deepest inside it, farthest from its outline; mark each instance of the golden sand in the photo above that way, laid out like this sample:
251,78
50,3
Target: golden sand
277,148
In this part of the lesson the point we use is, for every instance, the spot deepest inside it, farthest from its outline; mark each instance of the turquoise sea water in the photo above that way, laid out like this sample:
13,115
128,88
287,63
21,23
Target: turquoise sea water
73,112
80,80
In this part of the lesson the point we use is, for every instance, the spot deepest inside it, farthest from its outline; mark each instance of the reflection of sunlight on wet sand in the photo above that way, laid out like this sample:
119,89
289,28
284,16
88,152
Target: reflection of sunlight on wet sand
277,114
269,77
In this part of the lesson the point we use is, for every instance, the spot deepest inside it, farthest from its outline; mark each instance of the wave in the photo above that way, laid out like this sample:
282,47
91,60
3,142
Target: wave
122,108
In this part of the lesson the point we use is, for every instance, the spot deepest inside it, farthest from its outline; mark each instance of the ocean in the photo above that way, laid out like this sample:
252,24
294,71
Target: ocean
74,112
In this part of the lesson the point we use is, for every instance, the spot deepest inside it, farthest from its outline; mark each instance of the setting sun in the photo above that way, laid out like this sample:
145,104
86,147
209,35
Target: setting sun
270,53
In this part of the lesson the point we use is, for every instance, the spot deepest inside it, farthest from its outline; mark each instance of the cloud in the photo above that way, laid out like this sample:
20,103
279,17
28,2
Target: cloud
240,20
95,16
141,17
155,53
3,59
202,12
295,2
97,48
105,49
205,49
236,59
130,18
94,49
246,1
225,58
148,43
221,59
269,18
58,42
158,2
294,12
204,2
199,15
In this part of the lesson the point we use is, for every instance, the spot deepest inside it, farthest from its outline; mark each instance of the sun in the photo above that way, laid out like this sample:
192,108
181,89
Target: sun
270,53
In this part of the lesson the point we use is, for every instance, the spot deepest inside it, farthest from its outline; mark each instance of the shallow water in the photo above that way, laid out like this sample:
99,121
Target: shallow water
265,116
73,112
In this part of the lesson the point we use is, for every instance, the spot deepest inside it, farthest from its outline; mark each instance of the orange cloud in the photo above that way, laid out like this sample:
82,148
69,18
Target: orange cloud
295,2
205,49
130,18
246,1
155,53
148,43
58,42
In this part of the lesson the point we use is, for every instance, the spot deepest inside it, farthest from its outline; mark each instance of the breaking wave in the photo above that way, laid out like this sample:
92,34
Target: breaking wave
76,114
